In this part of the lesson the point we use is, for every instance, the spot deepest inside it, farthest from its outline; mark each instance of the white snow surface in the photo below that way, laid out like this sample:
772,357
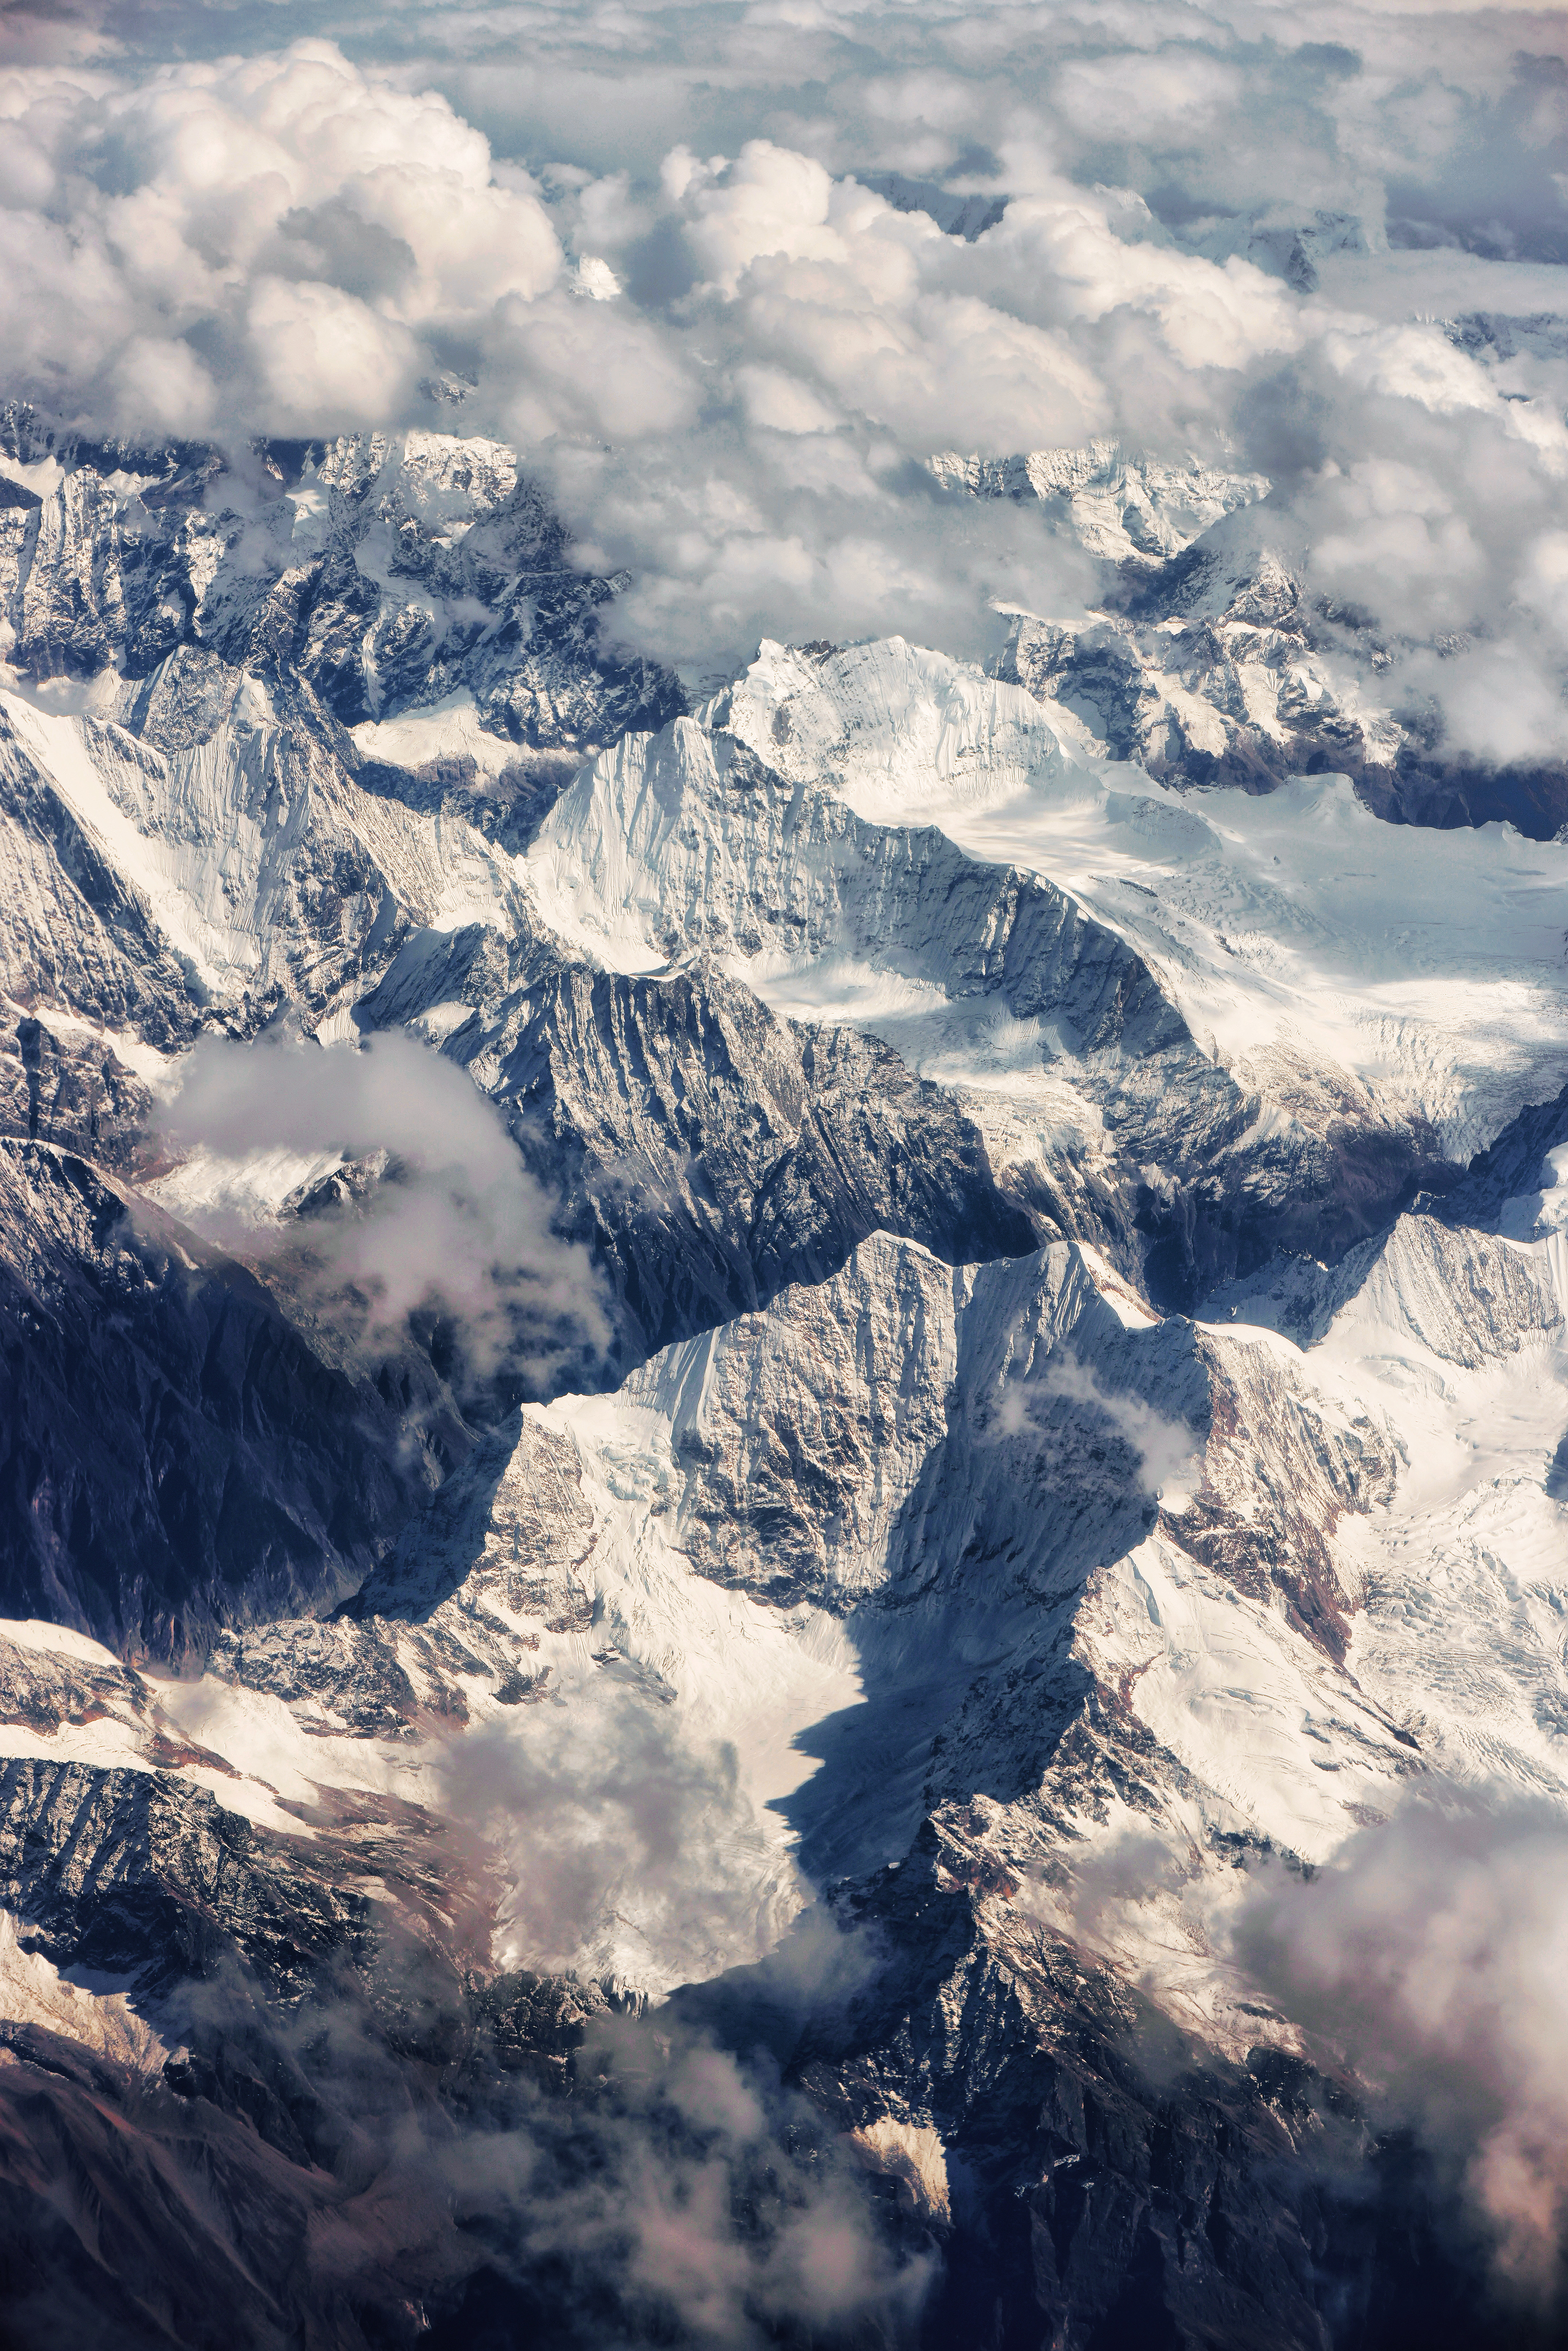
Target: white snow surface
436,730
1429,965
213,841
793,1716
1450,1349
1289,927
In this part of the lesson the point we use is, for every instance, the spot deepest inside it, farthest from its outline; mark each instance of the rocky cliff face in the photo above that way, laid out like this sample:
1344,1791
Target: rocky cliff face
1214,661
750,1824
176,1455
380,575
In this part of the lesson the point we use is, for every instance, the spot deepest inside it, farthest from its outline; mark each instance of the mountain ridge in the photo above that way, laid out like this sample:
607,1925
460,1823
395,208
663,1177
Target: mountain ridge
1068,1315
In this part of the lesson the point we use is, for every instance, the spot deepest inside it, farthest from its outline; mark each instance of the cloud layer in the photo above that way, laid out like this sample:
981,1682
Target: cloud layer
1431,1955
649,248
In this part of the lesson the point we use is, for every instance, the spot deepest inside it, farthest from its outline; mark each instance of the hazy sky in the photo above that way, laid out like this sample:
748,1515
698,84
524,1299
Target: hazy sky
644,239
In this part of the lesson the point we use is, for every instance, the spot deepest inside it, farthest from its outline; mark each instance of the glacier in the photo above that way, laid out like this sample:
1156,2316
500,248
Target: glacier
1080,1432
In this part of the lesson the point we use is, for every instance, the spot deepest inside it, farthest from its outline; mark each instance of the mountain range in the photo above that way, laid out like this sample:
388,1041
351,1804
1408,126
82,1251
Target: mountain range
740,1433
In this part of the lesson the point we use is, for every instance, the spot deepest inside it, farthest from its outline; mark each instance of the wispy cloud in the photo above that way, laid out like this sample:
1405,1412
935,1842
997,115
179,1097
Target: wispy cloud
1430,1957
445,1221
1169,1457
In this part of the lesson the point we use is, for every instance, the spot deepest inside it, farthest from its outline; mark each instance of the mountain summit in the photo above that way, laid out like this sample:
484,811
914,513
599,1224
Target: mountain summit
763,1462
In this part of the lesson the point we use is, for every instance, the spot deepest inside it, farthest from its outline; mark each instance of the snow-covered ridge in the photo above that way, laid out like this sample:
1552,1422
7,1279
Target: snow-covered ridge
675,843
1119,506
903,1056
907,1462
1214,650
946,1509
384,573
1428,965
248,866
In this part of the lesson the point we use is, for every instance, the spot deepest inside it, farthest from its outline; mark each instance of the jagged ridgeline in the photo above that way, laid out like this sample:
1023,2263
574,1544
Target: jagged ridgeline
729,1435
1216,657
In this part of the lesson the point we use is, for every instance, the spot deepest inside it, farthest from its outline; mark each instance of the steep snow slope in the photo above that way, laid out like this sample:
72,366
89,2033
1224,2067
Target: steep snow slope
880,1037
675,841
911,1520
1461,1339
681,844
1033,1612
1101,1111
246,858
1292,929
888,1549
227,865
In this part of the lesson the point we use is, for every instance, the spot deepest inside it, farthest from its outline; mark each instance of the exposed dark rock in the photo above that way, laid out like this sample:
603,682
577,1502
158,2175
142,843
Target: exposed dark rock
1230,620
175,1457
98,573
71,1091
712,1153
136,1874
314,2113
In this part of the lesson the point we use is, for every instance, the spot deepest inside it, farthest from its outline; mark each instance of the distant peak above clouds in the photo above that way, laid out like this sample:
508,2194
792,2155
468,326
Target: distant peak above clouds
1124,507
956,211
